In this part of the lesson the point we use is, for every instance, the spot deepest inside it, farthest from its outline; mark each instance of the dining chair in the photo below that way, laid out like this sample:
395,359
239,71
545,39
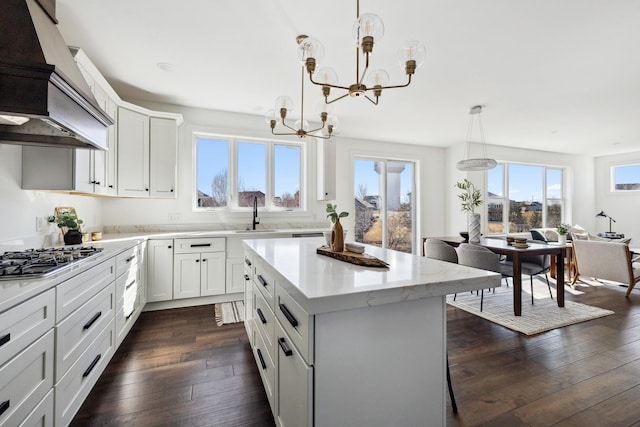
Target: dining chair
532,265
482,258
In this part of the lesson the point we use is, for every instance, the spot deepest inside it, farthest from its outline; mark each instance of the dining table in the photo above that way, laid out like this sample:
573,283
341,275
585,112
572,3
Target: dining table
502,247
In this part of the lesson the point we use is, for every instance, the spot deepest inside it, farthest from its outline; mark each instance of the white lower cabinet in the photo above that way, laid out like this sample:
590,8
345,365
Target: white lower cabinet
199,267
235,275
278,329
75,385
160,270
25,380
294,384
129,290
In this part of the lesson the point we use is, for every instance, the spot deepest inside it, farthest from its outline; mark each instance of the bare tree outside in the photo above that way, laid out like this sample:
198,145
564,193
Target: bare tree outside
219,188
362,191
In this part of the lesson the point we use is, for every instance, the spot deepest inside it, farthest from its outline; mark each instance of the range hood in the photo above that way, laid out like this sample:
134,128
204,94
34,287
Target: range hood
40,81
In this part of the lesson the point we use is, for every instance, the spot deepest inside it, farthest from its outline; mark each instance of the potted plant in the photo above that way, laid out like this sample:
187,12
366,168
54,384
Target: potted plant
563,230
69,224
337,233
470,198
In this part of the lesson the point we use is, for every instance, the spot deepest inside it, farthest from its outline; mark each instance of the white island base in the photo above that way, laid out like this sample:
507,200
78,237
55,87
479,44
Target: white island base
342,345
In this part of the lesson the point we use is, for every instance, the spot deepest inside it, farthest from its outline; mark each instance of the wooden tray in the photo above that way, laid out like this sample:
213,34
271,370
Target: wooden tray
352,257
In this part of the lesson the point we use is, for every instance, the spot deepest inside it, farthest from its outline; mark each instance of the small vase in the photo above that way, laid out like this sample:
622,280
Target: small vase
337,237
562,239
73,237
474,228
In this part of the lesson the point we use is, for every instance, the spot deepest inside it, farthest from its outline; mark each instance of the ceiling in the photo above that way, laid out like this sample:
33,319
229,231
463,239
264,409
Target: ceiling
552,75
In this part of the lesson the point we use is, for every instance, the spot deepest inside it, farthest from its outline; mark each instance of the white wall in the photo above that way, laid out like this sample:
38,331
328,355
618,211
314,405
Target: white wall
623,207
580,183
21,207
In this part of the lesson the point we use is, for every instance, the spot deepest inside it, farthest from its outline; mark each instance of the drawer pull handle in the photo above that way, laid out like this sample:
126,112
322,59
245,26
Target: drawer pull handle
4,406
129,316
246,277
285,348
262,281
131,258
92,321
264,365
93,365
288,315
133,282
201,245
261,316
5,339
246,261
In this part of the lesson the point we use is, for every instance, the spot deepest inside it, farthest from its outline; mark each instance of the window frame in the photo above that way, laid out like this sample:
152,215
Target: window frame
545,198
232,173
612,178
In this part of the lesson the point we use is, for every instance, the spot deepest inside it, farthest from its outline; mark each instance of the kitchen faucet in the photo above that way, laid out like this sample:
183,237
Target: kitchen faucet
256,220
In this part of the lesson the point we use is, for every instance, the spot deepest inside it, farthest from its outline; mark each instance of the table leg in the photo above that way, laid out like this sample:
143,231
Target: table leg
517,284
560,278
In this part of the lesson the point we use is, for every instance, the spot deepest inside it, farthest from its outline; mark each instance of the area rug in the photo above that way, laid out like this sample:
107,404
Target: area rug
229,312
544,315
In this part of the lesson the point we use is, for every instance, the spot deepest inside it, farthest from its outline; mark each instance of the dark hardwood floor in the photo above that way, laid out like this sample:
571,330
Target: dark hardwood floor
177,368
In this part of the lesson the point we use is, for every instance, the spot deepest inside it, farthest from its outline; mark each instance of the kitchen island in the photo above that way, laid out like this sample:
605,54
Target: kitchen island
343,345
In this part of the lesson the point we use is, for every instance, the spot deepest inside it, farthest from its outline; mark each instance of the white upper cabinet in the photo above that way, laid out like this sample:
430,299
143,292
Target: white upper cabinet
164,150
133,153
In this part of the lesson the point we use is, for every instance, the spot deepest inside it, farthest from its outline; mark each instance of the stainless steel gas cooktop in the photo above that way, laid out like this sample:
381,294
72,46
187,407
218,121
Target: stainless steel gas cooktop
36,263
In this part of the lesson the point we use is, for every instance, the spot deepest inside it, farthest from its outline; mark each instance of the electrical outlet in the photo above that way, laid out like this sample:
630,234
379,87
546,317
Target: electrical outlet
175,217
41,223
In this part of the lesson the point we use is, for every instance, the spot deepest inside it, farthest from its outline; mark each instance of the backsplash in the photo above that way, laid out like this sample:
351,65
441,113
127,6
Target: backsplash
178,228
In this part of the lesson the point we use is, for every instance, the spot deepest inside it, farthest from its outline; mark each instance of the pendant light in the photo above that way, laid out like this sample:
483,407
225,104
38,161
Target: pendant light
475,164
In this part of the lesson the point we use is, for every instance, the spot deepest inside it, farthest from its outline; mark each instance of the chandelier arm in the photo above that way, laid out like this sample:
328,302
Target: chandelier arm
326,101
326,84
283,133
317,129
288,127
372,101
392,87
321,136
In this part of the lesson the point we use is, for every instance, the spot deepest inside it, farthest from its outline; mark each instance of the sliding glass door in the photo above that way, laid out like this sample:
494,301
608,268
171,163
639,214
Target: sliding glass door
384,203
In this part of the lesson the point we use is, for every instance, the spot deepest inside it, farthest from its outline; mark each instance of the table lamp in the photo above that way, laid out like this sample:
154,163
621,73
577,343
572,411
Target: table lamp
604,215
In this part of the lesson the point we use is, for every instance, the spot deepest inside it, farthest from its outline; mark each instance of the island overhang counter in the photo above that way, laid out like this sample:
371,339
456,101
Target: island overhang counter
342,344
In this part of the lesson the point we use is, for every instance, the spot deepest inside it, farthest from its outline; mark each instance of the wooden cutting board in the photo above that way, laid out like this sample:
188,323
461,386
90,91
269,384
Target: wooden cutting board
352,257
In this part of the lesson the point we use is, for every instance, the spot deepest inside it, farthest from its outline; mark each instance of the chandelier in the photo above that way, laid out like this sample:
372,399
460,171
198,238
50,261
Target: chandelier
475,164
284,105
367,29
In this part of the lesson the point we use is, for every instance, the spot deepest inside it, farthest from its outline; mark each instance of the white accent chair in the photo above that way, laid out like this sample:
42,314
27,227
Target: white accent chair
607,261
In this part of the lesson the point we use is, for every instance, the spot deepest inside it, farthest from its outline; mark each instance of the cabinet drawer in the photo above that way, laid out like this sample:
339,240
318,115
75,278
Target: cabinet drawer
25,380
42,415
74,333
294,384
127,289
22,325
74,292
128,260
190,246
265,281
264,321
125,318
266,367
75,385
296,323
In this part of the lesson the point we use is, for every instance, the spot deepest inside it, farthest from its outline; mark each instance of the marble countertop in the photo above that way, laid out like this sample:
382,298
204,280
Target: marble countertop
322,284
13,292
242,234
